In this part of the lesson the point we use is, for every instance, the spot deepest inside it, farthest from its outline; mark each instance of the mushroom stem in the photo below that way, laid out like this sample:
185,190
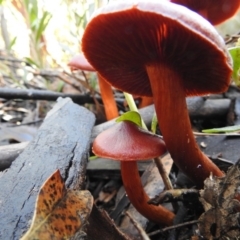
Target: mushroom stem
109,102
139,198
146,101
171,109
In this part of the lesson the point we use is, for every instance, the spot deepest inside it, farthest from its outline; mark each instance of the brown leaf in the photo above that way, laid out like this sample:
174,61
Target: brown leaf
59,212
221,219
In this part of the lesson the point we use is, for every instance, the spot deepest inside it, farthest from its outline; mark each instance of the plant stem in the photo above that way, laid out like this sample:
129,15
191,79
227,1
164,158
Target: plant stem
132,106
109,102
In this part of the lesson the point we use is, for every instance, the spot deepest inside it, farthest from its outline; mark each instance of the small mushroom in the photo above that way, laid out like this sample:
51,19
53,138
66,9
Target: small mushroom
215,11
167,51
127,143
79,62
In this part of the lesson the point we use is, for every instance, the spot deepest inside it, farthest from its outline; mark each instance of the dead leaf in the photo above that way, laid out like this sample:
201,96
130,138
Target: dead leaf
221,219
59,213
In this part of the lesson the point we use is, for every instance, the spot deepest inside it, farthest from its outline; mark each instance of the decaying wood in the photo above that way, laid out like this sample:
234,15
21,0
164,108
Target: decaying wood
226,147
211,108
62,143
9,153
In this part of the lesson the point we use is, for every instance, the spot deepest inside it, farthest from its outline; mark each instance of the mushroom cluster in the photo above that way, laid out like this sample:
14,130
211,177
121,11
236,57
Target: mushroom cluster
163,50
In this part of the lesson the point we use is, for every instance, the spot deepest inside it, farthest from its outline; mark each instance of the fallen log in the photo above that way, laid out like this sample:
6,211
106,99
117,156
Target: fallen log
8,153
62,142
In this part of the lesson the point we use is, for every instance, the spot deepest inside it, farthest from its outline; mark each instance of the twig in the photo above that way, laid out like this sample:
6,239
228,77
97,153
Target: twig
217,134
60,75
12,59
10,93
173,227
141,231
163,173
232,38
220,159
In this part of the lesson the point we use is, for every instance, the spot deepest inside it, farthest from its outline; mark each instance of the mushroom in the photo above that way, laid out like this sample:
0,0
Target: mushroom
215,11
167,51
128,143
79,62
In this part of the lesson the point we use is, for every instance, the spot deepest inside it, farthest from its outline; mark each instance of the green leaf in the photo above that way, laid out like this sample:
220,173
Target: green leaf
132,116
132,106
223,129
80,19
235,54
43,24
154,123
93,158
31,8
60,86
12,43
31,62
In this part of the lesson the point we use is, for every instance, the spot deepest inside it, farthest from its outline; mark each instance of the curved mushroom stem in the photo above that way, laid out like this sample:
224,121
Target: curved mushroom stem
169,99
139,198
109,102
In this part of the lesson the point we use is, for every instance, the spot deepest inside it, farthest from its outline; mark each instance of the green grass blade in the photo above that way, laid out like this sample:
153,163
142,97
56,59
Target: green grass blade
235,128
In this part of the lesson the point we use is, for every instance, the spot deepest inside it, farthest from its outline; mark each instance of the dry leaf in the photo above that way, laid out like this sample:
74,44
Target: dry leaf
222,218
59,213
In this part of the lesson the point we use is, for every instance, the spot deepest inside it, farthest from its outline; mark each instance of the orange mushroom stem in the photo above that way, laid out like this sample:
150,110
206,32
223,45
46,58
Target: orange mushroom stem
138,197
128,143
145,101
79,62
171,110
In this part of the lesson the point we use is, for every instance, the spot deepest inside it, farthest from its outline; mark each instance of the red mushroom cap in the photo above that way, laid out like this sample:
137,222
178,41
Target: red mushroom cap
127,141
123,38
215,11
